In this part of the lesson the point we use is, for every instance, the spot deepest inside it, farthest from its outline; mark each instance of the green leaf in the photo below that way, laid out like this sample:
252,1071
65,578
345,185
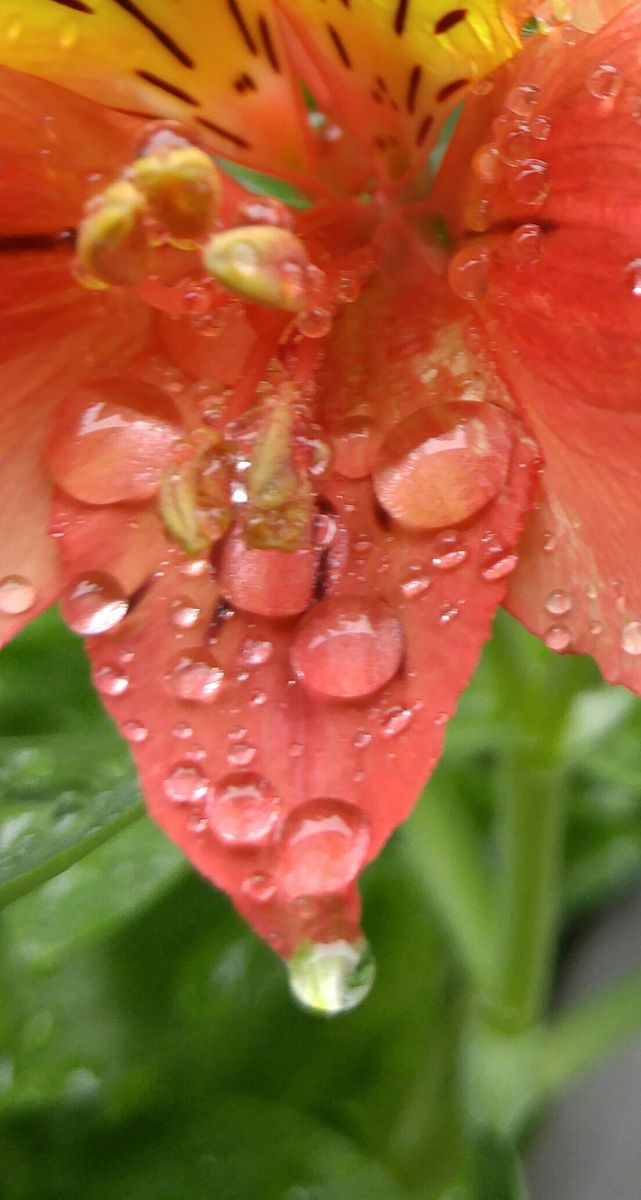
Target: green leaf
94,897
66,779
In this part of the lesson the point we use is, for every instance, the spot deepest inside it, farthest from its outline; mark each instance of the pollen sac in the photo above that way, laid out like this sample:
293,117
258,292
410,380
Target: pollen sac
182,188
112,243
263,264
443,464
112,440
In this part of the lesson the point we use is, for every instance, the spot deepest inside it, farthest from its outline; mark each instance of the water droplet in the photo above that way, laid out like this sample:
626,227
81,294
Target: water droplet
530,184
17,595
348,288
486,163
347,646
605,82
557,637
241,754
296,750
499,567
362,739
257,699
540,127
270,583
195,678
631,637
112,440
523,100
558,603
441,465
94,604
315,322
549,543
110,680
325,530
186,784
449,551
184,612
415,582
182,731
596,628
331,977
134,731
527,242
633,270
355,443
259,887
256,652
243,809
468,272
395,720
322,847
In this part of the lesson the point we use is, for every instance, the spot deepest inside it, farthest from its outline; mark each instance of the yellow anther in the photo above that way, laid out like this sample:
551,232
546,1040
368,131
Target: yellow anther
182,188
279,494
261,263
112,246
194,499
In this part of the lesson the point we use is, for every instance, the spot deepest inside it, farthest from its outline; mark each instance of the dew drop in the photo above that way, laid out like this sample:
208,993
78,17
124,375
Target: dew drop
347,646
631,637
315,322
111,680
241,754
94,604
499,567
527,243
530,184
259,887
112,441
355,443
468,273
557,637
322,847
558,603
256,652
325,530
195,678
134,731
330,978
243,809
395,720
449,551
441,465
184,612
257,699
605,82
17,595
182,731
186,784
523,100
414,583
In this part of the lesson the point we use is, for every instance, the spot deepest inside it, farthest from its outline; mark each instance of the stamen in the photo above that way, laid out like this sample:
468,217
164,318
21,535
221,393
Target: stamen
263,264
112,247
182,188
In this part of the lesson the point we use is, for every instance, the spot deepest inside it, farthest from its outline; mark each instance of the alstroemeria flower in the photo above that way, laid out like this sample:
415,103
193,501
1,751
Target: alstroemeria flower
276,461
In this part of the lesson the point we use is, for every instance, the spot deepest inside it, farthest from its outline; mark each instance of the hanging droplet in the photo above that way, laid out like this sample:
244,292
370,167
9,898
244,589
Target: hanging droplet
347,647
441,465
329,978
112,440
17,595
186,784
94,604
195,678
322,847
631,637
243,809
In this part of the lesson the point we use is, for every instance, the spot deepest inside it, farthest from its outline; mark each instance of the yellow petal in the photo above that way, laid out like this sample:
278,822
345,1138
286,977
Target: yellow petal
406,63
218,64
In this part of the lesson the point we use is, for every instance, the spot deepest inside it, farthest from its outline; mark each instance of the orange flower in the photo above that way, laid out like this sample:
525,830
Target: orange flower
275,458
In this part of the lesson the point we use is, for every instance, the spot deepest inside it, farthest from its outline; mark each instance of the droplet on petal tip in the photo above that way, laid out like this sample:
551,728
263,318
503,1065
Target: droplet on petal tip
330,978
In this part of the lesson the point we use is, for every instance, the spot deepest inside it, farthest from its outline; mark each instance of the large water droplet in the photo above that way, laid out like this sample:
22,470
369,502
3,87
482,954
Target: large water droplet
322,848
195,678
94,604
558,603
347,647
17,595
440,466
605,82
112,440
329,978
557,637
631,637
243,809
270,583
355,442
186,784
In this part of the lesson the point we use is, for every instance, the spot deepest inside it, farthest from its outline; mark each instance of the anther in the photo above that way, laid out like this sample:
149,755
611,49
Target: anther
112,245
182,188
262,263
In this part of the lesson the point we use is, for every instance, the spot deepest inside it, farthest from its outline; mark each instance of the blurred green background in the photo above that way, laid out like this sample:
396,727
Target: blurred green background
149,1047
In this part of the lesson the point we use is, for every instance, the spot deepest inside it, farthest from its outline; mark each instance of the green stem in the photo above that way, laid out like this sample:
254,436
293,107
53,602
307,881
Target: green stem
447,859
587,1033
531,830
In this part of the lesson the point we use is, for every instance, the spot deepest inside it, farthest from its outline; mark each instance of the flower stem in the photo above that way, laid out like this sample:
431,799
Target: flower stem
531,824
447,860
588,1032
